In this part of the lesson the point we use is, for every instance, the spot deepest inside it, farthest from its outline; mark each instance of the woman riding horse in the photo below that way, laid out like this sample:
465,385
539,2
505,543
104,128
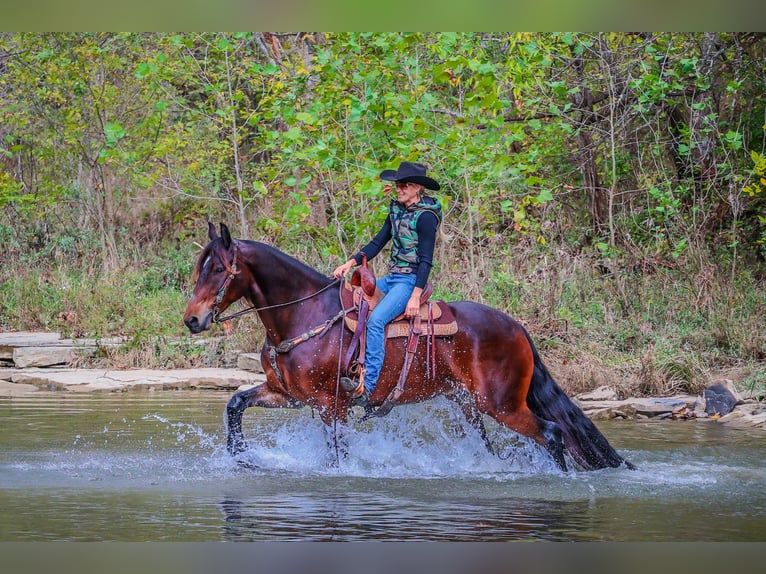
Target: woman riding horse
489,366
411,227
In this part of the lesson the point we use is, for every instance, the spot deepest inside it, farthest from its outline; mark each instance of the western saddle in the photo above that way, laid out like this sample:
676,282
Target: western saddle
360,297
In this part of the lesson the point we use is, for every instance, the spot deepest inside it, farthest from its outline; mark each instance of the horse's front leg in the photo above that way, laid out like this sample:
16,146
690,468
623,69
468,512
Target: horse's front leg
258,396
334,417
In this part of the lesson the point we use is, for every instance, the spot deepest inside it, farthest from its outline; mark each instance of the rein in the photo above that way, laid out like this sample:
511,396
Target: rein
218,319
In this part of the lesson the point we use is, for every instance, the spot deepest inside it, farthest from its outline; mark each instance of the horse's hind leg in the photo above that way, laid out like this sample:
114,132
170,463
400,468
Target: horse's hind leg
545,433
259,396
472,415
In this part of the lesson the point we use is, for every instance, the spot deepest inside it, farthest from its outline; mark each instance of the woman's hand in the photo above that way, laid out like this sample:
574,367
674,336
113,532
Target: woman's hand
342,270
413,305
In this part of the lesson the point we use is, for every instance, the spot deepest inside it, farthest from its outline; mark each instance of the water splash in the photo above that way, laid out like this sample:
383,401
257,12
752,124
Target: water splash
413,441
187,434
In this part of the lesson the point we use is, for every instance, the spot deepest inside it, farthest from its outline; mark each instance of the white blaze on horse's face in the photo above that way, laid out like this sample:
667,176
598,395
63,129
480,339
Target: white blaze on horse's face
199,311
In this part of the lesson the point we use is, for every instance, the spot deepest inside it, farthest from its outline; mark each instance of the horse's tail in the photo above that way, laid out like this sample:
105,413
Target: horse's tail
582,439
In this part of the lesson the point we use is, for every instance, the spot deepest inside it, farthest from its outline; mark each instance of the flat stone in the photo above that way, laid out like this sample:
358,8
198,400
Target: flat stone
758,420
657,406
8,389
24,357
597,405
88,380
599,394
29,349
9,341
609,414
250,362
735,419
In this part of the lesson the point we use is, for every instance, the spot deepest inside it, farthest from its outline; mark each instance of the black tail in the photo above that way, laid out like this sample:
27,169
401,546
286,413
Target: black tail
582,439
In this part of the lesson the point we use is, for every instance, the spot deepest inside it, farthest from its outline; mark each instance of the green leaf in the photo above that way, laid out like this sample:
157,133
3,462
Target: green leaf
545,195
306,118
293,134
113,133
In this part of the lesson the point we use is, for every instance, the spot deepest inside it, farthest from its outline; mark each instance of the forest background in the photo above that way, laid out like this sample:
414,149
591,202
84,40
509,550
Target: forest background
606,189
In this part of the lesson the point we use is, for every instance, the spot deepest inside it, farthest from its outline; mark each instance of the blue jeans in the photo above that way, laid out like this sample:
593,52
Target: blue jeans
398,288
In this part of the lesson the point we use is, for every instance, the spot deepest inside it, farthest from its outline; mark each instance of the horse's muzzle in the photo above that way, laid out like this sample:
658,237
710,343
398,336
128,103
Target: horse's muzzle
196,325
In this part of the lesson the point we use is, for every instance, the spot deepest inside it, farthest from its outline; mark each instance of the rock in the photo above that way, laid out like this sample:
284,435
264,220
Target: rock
657,406
721,398
25,349
24,357
600,394
607,414
698,408
8,389
9,341
758,420
88,380
250,362
734,418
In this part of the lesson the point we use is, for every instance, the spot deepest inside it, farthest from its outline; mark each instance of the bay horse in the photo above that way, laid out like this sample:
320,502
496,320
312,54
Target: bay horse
489,367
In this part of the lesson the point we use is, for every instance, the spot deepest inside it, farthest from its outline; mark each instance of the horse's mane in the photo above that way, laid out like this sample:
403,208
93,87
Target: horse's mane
288,260
271,252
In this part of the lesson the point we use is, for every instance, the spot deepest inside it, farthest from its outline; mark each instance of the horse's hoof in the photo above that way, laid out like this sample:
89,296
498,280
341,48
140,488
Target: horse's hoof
247,465
556,450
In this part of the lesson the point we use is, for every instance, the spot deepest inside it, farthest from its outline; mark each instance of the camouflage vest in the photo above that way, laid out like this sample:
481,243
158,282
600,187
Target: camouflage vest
404,235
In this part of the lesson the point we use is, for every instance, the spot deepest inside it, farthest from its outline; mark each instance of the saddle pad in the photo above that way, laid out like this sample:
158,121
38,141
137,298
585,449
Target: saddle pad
444,323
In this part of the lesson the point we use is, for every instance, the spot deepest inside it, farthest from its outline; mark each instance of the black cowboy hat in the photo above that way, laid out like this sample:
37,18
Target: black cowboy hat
410,171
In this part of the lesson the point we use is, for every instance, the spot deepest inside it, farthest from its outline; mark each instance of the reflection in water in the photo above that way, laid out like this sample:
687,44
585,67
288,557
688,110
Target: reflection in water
372,517
153,466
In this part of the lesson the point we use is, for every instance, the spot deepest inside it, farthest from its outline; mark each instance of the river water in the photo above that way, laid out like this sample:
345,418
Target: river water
152,466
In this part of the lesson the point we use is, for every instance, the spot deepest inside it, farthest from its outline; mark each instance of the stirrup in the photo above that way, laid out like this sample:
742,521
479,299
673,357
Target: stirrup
352,387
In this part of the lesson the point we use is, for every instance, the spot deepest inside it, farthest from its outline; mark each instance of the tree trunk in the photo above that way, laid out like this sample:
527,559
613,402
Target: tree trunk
598,200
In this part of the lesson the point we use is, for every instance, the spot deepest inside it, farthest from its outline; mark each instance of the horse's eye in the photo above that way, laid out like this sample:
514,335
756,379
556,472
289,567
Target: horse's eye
219,269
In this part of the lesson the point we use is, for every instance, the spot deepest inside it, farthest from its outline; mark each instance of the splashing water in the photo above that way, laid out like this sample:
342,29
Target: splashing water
413,441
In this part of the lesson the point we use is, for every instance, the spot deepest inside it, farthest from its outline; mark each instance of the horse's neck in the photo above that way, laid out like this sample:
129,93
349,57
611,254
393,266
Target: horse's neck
288,289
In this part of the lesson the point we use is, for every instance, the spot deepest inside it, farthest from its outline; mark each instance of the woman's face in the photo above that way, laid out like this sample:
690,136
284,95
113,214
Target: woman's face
408,193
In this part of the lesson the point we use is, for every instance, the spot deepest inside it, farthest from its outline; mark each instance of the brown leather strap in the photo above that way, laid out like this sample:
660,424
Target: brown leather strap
393,397
356,345
431,339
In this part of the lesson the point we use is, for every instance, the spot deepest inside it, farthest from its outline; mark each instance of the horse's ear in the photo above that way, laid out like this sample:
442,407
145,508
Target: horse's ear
225,236
211,231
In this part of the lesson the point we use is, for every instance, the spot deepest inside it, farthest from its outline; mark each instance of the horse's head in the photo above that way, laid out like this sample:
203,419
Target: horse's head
217,287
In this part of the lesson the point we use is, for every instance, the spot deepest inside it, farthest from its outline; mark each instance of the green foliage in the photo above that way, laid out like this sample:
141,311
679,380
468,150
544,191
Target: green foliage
567,162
